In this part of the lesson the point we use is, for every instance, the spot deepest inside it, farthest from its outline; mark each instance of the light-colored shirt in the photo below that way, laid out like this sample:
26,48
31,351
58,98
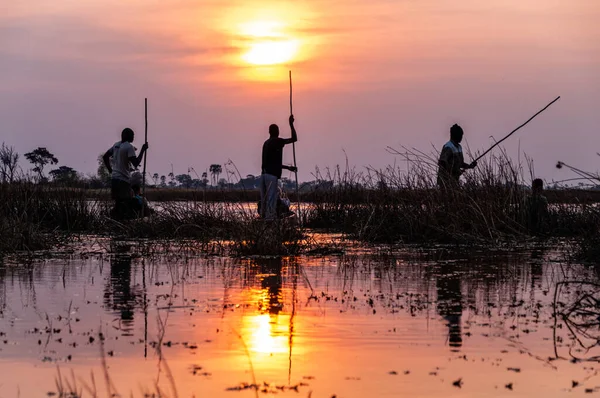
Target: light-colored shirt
451,160
121,152
454,147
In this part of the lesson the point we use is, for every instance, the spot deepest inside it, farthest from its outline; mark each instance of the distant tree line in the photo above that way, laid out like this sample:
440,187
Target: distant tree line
42,162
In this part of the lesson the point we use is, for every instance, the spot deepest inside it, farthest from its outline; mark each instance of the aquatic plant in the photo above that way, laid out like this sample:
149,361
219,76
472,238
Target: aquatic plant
33,216
405,205
390,205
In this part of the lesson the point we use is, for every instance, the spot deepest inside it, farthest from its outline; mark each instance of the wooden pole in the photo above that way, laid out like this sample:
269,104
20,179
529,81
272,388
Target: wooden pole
515,130
145,308
292,316
294,152
145,141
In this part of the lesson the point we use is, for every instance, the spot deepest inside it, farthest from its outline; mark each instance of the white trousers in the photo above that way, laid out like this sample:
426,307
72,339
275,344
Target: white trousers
268,196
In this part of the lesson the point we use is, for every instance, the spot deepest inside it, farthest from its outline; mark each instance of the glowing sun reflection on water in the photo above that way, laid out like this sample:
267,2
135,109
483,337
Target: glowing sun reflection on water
268,334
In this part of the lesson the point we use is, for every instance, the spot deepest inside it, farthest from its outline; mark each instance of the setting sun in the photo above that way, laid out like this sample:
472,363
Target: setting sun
271,52
268,43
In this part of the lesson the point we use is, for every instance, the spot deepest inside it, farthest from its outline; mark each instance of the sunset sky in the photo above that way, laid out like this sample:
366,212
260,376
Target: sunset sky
367,74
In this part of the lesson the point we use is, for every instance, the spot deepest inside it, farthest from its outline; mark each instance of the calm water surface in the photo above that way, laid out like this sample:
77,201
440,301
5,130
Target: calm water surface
407,323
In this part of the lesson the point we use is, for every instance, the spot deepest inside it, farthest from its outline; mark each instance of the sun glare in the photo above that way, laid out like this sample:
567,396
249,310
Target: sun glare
268,43
268,335
268,38
271,52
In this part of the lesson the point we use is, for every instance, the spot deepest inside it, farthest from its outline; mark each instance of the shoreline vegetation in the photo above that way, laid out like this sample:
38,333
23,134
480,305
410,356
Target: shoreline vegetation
318,195
384,206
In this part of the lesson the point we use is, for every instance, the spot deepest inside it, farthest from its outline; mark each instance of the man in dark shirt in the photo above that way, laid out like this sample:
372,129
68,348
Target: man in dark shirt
272,165
452,162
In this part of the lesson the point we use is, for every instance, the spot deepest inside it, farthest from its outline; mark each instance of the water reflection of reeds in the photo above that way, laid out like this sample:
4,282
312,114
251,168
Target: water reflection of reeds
270,299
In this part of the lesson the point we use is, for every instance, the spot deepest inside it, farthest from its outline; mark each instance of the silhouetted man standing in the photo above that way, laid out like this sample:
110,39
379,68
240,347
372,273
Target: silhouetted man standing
272,165
123,156
537,208
452,162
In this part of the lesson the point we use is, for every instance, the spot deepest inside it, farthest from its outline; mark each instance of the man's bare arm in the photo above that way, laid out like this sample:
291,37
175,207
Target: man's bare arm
135,161
106,159
471,165
294,135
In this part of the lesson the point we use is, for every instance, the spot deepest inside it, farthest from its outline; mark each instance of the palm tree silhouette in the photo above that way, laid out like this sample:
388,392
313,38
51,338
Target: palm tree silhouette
215,171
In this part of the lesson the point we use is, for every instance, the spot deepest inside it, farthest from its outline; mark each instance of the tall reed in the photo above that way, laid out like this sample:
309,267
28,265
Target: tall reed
405,205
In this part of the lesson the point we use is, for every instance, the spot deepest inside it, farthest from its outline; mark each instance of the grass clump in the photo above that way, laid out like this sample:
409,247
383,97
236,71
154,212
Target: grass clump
258,237
393,205
32,214
35,217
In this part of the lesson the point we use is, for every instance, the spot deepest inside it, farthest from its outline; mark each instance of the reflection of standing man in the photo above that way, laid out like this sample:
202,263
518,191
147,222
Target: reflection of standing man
272,283
537,270
2,288
449,303
118,294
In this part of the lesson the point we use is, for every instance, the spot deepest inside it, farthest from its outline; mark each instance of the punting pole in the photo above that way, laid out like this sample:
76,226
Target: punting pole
515,130
294,152
145,141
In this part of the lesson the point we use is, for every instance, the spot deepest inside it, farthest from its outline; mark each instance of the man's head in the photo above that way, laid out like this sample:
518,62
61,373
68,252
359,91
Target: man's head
537,186
127,135
274,131
456,133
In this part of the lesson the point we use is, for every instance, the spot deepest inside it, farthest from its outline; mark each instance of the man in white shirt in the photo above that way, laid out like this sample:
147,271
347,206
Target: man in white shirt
123,157
452,163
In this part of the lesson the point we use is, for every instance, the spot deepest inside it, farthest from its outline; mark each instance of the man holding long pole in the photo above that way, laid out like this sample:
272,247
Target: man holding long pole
272,166
452,162
123,158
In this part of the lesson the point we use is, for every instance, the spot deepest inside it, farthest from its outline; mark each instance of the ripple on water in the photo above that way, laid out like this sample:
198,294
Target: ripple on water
417,323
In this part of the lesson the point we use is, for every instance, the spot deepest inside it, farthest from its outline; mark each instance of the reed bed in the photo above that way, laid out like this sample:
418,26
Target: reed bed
392,205
32,217
234,226
405,205
308,194
36,217
169,194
